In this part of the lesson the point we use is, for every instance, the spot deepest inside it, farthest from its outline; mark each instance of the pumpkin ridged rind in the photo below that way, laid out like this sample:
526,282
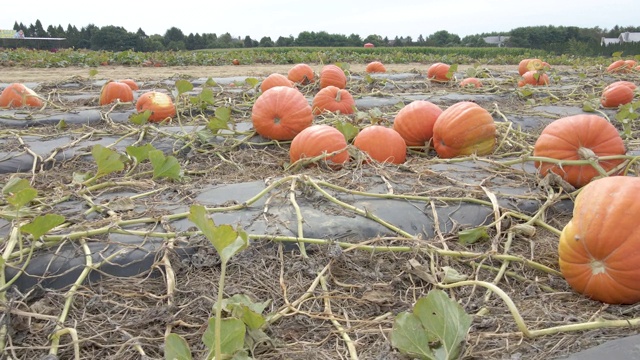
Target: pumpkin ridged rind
159,103
115,90
333,99
617,93
332,75
18,95
415,122
280,113
599,249
464,128
318,139
274,80
301,74
375,67
563,138
382,144
438,72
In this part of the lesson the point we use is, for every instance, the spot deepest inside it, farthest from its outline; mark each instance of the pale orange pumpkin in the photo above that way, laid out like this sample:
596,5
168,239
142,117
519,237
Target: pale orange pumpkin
316,140
578,137
375,67
599,249
280,113
132,84
333,99
381,144
415,122
113,91
534,78
464,128
18,95
618,67
273,80
471,82
530,65
332,75
159,103
439,72
301,74
616,94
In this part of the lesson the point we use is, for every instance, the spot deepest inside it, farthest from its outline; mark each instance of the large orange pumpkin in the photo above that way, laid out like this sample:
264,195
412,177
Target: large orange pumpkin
274,80
439,72
464,128
534,78
159,103
375,67
618,67
599,249
17,95
332,75
415,121
316,140
617,93
280,113
115,90
333,99
382,144
578,137
301,74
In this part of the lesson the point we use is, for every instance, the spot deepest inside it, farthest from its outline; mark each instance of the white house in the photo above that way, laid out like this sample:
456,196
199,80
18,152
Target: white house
496,40
624,37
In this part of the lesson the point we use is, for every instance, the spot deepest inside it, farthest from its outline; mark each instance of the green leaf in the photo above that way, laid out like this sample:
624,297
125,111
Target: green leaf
347,129
164,166
470,236
408,336
452,70
253,82
141,153
93,72
61,125
210,82
22,197
41,225
140,118
223,113
232,333
224,238
108,160
434,330
176,348
216,124
183,86
14,185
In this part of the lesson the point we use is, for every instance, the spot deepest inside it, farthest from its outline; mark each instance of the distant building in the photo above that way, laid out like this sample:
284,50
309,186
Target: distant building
499,40
625,37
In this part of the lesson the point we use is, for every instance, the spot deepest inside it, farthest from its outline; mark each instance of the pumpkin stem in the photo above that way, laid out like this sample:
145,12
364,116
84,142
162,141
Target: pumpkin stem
338,96
587,154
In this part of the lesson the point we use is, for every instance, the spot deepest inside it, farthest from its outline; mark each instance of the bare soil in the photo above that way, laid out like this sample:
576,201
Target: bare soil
128,318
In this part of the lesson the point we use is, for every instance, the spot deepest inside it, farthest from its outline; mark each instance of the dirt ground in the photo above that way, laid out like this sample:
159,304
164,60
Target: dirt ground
127,318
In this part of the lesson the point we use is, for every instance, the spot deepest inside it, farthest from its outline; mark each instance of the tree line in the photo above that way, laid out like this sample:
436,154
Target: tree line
554,39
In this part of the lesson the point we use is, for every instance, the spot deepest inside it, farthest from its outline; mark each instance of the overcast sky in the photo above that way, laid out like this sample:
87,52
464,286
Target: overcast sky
274,18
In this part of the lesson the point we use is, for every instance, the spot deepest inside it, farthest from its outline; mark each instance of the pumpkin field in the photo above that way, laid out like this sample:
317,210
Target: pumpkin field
351,210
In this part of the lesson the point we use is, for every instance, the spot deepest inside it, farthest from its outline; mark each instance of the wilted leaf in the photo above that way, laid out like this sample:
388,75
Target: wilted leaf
470,236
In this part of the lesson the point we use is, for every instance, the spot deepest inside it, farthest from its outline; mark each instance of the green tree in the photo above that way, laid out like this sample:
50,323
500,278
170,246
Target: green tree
173,35
266,42
113,38
285,41
443,38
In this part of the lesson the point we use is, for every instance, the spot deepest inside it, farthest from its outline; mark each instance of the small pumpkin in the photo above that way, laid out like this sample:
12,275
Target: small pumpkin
333,99
115,90
235,62
534,78
280,113
18,95
132,84
301,74
598,249
415,122
332,75
464,128
471,82
273,80
381,144
375,67
316,140
530,65
439,72
159,103
578,137
616,94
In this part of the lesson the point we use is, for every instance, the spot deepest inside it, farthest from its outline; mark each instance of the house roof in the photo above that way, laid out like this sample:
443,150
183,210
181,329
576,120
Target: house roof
495,39
630,36
607,41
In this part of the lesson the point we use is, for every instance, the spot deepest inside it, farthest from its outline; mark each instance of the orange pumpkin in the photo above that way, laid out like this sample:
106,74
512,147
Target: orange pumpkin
275,80
132,84
530,65
17,95
439,72
471,82
534,78
280,113
628,84
113,91
235,62
332,75
630,64
415,121
618,67
616,94
375,67
464,128
318,139
333,99
301,74
599,249
578,137
159,103
382,144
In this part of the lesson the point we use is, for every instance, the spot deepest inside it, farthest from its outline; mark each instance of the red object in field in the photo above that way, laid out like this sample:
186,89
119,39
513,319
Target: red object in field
369,45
